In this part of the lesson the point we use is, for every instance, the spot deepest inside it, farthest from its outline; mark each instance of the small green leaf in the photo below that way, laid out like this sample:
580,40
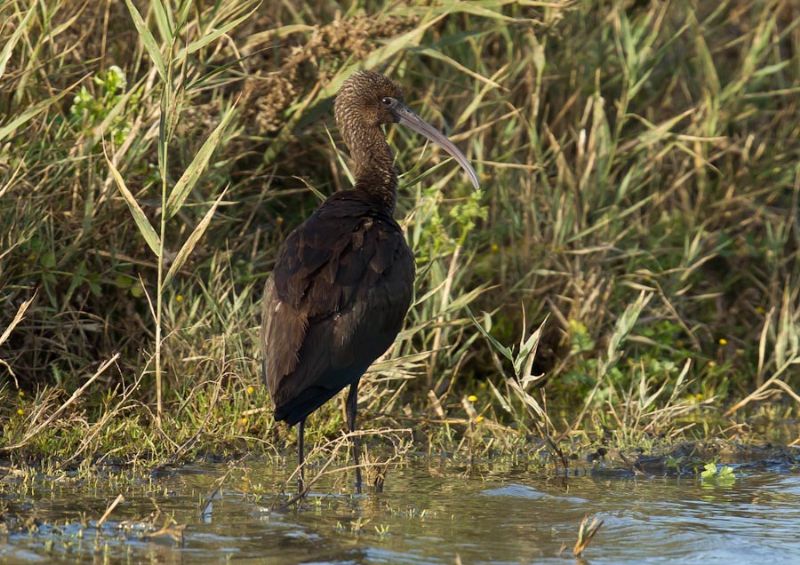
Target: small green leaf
124,281
709,471
48,260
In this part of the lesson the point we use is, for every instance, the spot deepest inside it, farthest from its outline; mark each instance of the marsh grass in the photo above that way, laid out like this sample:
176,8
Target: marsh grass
629,270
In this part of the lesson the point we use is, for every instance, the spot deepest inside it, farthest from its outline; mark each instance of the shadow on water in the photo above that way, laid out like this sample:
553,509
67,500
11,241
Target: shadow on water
429,513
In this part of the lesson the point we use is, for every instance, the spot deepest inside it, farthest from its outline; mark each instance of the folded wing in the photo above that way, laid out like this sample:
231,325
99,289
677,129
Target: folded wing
335,302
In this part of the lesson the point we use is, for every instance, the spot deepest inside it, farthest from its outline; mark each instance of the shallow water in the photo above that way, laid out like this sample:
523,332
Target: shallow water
429,512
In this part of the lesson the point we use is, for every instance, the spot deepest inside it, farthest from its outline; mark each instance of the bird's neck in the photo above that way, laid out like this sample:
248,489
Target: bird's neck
373,166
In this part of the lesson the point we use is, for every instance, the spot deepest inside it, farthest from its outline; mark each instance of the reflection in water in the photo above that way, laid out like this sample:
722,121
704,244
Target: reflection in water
422,517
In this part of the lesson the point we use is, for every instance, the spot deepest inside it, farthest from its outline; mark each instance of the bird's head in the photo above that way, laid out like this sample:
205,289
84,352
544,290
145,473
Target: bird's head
368,100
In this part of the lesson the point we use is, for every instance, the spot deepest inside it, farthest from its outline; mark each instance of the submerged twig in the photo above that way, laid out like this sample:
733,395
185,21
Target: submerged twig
585,534
110,509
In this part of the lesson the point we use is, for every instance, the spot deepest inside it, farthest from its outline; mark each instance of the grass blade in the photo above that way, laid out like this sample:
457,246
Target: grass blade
499,347
212,36
163,20
191,241
23,118
18,317
5,54
198,165
145,228
148,40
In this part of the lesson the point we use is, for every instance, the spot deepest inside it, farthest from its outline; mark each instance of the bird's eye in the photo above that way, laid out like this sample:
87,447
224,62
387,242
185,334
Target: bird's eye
387,101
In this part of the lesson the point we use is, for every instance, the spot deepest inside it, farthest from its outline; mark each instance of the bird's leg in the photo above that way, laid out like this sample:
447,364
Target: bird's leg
300,456
352,406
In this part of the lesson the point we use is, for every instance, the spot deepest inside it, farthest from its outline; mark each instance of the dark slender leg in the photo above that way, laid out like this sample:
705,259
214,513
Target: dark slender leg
300,456
352,406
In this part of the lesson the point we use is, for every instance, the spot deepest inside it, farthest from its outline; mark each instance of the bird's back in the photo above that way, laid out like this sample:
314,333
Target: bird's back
335,302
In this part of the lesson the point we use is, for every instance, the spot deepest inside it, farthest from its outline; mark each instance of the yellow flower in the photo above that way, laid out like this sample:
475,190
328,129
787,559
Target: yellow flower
179,298
479,419
243,420
250,389
21,393
472,398
723,341
20,411
495,248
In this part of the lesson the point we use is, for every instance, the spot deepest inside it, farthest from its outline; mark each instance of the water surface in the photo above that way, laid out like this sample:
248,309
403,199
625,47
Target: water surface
429,512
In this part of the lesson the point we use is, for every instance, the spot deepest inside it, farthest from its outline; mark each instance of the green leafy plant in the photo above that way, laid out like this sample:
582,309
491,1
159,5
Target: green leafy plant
720,474
89,110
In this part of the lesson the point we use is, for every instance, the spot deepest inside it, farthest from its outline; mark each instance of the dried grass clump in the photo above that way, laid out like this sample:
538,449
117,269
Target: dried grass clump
311,58
269,96
349,38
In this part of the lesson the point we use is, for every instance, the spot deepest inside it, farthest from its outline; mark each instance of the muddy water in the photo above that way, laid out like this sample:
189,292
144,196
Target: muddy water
429,512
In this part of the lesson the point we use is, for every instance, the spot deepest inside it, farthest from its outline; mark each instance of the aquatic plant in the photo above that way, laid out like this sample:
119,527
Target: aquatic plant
720,474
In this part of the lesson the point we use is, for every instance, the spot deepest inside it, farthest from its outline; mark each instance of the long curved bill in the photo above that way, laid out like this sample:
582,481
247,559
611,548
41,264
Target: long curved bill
411,120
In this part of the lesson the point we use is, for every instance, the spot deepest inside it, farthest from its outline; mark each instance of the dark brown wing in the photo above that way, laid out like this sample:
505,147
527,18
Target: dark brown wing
335,302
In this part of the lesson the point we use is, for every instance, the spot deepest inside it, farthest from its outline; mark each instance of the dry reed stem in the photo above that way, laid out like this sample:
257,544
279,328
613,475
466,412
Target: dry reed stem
586,533
109,510
18,317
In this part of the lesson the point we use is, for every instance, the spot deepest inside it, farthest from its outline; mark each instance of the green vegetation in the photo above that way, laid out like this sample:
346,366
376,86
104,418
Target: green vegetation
719,474
629,272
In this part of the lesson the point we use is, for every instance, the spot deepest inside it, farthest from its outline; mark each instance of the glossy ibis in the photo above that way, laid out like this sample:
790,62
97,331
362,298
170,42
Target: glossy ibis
344,278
